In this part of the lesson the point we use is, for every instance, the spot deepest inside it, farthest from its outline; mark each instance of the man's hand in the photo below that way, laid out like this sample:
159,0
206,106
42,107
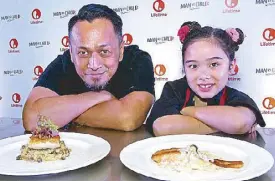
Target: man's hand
126,114
61,109
96,97
108,94
188,111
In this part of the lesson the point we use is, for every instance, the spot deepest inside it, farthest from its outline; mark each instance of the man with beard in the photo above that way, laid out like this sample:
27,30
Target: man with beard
96,82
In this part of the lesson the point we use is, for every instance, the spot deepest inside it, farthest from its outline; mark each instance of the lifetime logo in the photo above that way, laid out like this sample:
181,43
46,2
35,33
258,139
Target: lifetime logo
36,14
38,70
234,71
160,69
127,38
13,43
269,103
231,3
234,68
65,41
16,98
158,6
269,34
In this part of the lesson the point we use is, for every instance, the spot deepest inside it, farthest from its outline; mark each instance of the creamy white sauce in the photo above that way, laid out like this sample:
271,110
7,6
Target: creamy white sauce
189,159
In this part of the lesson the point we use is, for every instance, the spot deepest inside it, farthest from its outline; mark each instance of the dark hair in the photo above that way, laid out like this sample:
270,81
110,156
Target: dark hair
91,12
220,36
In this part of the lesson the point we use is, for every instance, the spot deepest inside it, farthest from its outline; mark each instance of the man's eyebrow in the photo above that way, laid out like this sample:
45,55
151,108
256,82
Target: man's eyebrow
98,46
83,47
104,45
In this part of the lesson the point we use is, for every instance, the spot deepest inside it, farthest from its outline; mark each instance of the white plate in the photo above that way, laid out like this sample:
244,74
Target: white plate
257,161
86,150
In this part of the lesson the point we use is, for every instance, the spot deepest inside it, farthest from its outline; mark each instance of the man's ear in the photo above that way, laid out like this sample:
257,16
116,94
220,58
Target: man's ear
121,51
70,49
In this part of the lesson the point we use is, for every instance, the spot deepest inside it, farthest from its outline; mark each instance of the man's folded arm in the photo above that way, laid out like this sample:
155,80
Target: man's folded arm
126,114
60,109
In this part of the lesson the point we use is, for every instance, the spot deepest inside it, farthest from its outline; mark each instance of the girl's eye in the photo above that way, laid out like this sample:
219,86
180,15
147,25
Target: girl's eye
214,64
192,66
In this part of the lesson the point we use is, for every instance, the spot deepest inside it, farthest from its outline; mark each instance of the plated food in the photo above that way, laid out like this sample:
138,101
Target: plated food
191,158
163,158
44,144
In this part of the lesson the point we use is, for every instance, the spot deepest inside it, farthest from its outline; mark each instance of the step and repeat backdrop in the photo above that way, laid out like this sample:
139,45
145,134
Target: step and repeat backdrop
34,32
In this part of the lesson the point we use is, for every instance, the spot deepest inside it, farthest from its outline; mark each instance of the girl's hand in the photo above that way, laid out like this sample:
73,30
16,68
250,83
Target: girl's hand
252,132
253,129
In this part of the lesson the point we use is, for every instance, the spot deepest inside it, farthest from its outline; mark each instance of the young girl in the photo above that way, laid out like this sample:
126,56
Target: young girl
200,102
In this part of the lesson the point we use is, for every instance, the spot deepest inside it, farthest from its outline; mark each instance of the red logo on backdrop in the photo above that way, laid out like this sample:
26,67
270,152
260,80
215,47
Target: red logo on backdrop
65,41
13,43
234,71
127,38
38,70
269,103
269,34
16,121
36,14
16,98
160,69
231,3
158,6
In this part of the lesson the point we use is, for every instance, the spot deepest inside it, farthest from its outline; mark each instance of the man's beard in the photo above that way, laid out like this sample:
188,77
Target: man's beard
95,87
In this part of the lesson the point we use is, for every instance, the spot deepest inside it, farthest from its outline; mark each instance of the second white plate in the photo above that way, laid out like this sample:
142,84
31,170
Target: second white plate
257,161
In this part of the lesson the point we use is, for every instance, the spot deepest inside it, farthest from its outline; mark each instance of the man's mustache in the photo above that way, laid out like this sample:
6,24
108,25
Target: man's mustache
95,72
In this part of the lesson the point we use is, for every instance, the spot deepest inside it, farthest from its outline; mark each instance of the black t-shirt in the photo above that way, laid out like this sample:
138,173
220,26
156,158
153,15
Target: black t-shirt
173,99
135,73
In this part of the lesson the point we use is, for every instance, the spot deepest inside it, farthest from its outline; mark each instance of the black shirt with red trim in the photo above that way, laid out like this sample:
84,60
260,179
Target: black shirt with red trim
135,73
177,94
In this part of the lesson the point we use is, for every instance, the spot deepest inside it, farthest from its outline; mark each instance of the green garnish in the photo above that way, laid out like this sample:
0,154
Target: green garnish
44,122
